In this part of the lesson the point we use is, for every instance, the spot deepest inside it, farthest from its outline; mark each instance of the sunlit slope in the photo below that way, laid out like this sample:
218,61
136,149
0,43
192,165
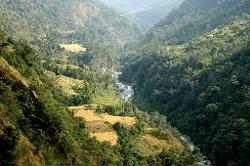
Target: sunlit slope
35,130
100,125
194,18
86,21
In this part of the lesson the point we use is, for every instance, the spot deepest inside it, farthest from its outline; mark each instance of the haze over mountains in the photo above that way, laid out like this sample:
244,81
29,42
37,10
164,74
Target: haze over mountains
65,66
146,12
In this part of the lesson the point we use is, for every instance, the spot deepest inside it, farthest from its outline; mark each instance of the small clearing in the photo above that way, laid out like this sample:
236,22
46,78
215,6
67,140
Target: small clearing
73,47
151,142
67,84
129,121
150,145
100,125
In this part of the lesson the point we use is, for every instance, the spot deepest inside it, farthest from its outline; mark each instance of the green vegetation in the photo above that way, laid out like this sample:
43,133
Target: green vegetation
202,86
36,128
194,18
59,104
87,22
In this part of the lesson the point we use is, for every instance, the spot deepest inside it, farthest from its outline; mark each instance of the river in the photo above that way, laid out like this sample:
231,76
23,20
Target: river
126,92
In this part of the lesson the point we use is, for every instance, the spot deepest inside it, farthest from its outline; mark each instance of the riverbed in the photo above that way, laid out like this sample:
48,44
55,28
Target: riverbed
126,91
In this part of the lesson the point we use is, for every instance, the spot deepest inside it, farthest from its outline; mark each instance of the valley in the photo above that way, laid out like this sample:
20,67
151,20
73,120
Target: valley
138,82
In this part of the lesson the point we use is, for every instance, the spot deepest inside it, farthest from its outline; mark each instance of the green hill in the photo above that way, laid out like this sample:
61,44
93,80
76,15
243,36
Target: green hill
202,86
194,18
84,21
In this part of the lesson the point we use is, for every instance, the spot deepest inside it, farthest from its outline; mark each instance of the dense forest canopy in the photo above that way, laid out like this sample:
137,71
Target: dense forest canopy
194,18
201,85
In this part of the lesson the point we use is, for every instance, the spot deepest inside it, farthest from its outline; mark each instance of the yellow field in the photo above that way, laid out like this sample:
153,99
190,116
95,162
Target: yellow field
121,119
99,125
64,66
73,47
65,83
106,137
149,145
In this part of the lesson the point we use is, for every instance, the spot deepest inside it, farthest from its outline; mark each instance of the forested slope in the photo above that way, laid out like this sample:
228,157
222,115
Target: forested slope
194,18
202,86
37,128
84,21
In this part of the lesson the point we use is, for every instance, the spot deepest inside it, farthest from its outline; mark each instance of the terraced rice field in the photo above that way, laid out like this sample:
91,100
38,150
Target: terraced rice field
73,47
100,125
67,84
149,145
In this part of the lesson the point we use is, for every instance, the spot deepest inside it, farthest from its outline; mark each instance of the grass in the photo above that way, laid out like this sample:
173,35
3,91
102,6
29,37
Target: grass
100,125
73,47
149,144
107,96
12,72
129,121
27,151
67,84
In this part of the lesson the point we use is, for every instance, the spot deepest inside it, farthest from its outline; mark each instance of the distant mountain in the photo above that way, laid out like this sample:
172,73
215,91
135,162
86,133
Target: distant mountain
86,21
147,12
127,5
194,18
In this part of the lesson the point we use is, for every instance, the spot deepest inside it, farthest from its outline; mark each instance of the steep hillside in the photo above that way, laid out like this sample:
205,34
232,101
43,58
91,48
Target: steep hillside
146,12
84,21
194,18
203,88
37,128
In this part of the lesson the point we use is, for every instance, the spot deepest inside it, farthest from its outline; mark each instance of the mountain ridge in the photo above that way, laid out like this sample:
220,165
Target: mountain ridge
194,18
85,21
